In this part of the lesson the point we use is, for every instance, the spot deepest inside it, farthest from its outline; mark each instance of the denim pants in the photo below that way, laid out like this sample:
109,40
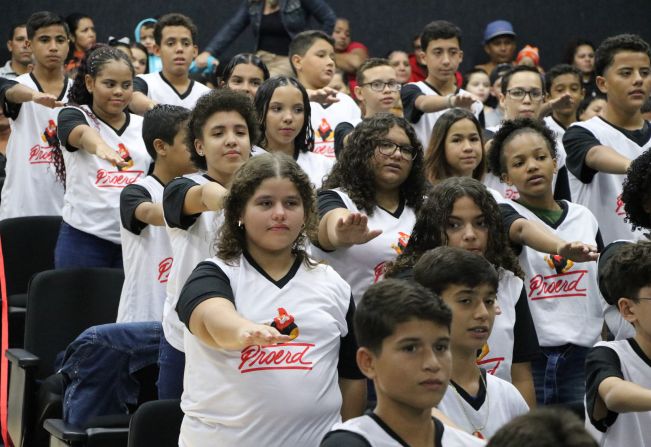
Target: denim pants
171,366
98,368
76,248
559,376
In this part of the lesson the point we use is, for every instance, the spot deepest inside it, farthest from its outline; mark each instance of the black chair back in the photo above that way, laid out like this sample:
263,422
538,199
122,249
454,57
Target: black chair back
157,422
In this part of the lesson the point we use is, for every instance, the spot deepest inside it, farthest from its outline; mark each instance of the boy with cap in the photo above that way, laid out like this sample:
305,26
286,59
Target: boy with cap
499,44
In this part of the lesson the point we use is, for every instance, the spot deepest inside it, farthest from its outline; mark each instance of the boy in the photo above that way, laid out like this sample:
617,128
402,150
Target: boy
146,248
618,373
21,54
31,102
423,102
478,402
349,55
144,34
600,150
312,56
174,36
403,333
499,44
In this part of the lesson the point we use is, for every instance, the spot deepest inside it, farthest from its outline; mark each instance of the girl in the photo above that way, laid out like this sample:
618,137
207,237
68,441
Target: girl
369,202
103,153
82,37
221,128
139,58
263,298
591,106
580,53
456,147
283,109
478,83
245,73
399,60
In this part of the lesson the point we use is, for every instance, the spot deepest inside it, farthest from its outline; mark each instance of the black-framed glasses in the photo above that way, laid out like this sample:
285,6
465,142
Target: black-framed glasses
388,148
378,86
518,93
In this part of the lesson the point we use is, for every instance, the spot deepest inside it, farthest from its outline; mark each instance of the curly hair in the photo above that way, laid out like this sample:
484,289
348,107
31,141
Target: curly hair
304,141
232,235
432,220
353,171
626,272
636,192
511,129
223,100
437,167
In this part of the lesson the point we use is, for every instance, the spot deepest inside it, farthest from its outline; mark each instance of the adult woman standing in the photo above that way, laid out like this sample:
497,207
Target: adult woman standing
82,36
274,24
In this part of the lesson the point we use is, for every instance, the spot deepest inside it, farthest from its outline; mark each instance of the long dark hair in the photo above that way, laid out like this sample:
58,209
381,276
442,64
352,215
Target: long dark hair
244,58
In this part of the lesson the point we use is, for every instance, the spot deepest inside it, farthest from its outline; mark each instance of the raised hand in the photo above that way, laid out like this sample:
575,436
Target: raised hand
325,95
353,229
578,251
46,100
260,334
107,153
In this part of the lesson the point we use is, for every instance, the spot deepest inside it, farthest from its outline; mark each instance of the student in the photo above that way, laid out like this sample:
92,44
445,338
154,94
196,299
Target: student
499,44
480,403
245,73
618,373
403,332
283,110
32,102
139,58
262,297
20,61
103,152
580,54
221,130
591,106
174,36
349,55
144,34
338,82
369,202
312,56
146,249
477,83
424,101
564,297
600,150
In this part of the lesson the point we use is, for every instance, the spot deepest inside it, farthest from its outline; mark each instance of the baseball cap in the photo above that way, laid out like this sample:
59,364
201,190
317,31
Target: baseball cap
498,28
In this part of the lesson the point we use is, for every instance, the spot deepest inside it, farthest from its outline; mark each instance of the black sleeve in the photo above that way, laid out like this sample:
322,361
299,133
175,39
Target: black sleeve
206,281
599,241
341,131
601,363
578,141
510,215
408,95
604,257
347,365
562,186
10,109
328,200
344,438
130,197
173,200
68,119
525,338
140,85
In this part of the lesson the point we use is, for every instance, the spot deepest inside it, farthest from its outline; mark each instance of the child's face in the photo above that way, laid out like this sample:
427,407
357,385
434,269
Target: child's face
139,60
627,81
85,36
463,149
178,156
273,217
50,46
147,39
400,62
341,35
442,57
529,165
385,99
246,78
500,50
176,50
338,83
391,171
473,314
567,84
112,88
413,368
466,227
317,67
584,58
479,85
285,117
596,108
225,143
526,107
638,313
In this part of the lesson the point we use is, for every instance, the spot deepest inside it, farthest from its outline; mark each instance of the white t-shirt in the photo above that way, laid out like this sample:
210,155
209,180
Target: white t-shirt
31,187
146,253
160,90
559,131
316,166
325,119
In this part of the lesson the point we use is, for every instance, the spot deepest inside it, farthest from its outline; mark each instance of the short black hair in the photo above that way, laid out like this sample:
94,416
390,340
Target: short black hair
560,70
444,266
585,103
12,29
605,54
467,75
439,29
174,19
509,130
626,272
519,69
164,122
42,19
302,42
369,63
391,302
636,192
247,59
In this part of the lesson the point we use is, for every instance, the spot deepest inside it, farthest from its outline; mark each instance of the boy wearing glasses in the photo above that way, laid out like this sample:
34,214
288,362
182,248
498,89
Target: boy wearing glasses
618,373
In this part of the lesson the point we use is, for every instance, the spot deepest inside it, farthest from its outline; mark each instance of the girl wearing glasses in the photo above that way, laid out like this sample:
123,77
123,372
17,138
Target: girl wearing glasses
369,202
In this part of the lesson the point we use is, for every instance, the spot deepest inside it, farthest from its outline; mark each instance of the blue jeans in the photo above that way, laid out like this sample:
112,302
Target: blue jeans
559,376
171,366
98,368
76,248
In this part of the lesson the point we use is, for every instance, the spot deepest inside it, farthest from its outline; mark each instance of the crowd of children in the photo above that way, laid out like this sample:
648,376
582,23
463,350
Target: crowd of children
414,266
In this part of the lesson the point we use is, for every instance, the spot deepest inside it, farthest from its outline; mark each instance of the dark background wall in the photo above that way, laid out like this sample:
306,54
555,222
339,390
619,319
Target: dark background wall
382,25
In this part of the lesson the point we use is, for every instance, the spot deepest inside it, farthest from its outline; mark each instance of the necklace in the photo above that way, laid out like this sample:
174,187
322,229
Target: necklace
476,430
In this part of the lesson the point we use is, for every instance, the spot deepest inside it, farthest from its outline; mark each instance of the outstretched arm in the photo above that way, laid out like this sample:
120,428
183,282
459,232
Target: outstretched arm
341,228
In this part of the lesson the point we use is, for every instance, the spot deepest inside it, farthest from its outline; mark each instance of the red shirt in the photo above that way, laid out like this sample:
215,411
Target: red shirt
351,77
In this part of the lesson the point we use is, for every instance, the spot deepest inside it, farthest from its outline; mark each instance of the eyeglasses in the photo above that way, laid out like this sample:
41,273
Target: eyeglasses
388,148
378,86
519,93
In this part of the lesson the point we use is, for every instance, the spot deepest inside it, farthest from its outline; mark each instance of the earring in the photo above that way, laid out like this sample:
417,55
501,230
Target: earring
239,224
